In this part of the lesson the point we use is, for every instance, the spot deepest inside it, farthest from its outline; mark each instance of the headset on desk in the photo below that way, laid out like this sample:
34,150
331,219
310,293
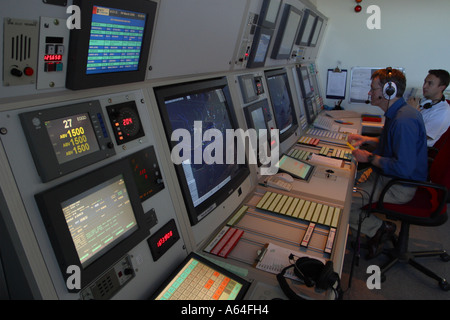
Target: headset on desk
313,273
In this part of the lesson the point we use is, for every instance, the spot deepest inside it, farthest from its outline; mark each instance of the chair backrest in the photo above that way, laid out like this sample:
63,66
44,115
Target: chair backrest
440,167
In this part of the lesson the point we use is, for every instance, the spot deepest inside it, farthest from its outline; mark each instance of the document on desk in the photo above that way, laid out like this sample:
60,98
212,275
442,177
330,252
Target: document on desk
274,259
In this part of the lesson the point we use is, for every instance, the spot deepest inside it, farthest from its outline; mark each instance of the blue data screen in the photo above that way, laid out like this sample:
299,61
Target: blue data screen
115,40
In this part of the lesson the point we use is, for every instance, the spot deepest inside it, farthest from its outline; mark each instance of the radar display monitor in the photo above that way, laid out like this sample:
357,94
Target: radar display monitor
306,31
287,32
112,45
197,278
190,110
282,103
94,220
67,138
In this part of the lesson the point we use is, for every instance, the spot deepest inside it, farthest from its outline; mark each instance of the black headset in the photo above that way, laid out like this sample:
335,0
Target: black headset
313,273
389,88
427,104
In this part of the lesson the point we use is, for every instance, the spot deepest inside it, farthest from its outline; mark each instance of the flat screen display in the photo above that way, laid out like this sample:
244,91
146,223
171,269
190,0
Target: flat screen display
261,49
282,104
207,176
115,40
98,218
295,167
72,137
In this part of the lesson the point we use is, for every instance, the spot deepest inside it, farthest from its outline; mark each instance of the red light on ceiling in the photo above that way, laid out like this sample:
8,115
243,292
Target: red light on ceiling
358,8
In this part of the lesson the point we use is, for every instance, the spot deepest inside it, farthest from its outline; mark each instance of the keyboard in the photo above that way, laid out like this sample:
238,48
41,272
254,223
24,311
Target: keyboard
197,281
325,123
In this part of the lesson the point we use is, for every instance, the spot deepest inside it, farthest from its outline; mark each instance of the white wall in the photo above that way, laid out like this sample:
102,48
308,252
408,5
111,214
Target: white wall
414,34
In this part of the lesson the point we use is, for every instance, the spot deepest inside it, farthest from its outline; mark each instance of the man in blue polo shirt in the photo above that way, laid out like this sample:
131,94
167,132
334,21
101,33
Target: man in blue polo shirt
401,152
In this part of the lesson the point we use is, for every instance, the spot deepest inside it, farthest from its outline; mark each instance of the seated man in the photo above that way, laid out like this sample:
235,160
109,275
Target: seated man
434,108
400,151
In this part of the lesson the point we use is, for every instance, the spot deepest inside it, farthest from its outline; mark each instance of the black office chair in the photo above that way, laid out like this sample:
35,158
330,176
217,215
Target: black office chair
427,208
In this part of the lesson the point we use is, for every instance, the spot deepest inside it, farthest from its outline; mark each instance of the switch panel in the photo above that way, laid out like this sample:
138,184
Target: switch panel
20,47
53,49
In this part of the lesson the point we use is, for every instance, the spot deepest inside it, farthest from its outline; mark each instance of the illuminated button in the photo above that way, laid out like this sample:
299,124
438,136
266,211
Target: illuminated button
59,66
49,67
28,71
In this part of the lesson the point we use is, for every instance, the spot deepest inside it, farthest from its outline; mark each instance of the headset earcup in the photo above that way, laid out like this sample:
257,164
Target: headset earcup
327,277
308,270
389,90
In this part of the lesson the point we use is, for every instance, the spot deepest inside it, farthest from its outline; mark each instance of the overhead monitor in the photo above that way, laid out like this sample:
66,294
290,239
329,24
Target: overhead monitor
197,278
94,220
206,177
282,103
260,47
67,138
112,44
317,30
269,13
307,28
287,32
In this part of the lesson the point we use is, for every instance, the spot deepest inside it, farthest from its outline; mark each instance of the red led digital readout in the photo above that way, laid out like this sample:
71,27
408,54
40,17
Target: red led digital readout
53,57
164,238
127,121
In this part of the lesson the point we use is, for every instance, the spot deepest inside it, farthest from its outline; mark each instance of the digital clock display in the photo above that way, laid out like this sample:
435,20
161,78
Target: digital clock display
163,239
53,57
72,137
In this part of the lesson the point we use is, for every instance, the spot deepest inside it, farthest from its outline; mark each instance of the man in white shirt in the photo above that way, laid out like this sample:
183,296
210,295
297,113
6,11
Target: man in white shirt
434,107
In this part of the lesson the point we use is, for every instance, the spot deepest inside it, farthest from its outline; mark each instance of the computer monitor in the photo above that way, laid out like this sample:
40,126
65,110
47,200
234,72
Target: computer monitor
260,47
287,32
197,278
94,220
307,28
317,30
113,43
306,85
282,103
269,13
204,184
310,110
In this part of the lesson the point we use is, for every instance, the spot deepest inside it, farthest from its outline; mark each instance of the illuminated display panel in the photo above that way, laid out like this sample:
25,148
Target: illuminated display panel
98,218
113,43
72,137
200,279
94,220
115,40
295,167
53,57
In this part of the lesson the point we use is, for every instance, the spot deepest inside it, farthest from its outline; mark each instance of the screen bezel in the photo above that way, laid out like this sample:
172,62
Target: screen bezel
302,84
288,12
279,72
308,14
242,85
182,89
49,203
245,284
79,45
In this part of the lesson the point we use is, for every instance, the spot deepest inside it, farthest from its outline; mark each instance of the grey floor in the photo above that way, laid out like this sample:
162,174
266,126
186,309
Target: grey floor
403,282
